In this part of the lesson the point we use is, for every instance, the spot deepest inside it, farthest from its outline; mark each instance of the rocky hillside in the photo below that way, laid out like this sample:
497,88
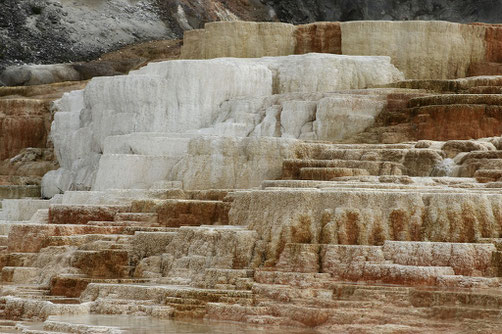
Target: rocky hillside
50,31
303,11
55,31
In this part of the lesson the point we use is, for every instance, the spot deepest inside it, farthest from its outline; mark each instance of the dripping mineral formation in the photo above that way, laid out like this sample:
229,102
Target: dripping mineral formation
329,177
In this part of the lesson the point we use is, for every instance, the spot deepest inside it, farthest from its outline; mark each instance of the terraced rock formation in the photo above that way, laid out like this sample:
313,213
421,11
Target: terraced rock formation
316,193
420,49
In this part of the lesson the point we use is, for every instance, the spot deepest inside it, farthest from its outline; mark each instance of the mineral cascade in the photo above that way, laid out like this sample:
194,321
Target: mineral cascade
330,177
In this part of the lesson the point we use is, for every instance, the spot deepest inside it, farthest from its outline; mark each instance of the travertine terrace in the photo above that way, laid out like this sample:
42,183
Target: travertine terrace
331,177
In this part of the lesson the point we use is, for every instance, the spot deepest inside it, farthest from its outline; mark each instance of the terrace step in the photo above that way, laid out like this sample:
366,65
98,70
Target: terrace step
469,282
291,168
3,240
488,298
20,274
464,312
488,175
125,223
82,214
485,90
328,174
148,218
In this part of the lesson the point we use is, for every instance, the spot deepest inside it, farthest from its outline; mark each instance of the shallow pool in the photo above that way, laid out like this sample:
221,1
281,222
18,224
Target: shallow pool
147,325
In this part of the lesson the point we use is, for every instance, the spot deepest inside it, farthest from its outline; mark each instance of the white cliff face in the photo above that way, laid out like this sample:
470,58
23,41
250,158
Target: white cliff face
131,131
173,96
306,116
320,72
232,163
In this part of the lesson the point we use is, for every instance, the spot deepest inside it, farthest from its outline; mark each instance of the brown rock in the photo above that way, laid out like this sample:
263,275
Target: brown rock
454,147
457,116
27,167
73,214
106,263
30,238
175,213
53,91
70,287
485,68
493,40
421,162
148,51
321,37
448,122
23,123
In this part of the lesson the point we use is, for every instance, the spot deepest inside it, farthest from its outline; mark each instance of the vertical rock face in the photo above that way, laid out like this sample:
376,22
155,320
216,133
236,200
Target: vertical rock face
26,154
447,117
239,39
247,162
491,65
139,103
23,123
164,97
251,40
318,116
422,50
320,37
493,40
328,73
